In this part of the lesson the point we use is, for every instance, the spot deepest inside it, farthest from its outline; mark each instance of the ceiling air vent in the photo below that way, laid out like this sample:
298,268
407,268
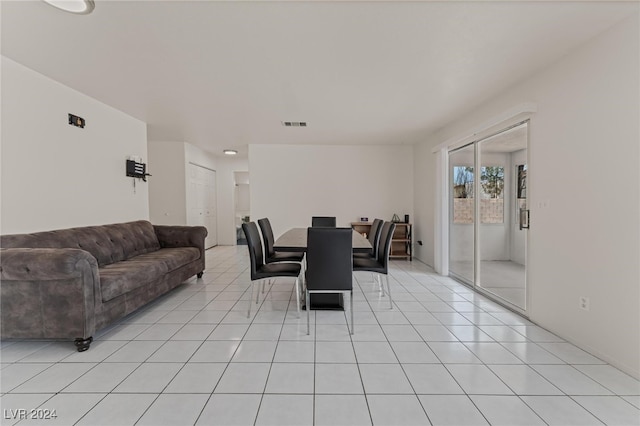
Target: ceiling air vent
294,123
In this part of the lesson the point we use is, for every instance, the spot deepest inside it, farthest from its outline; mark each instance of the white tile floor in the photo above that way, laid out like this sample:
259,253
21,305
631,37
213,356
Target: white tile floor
503,278
443,356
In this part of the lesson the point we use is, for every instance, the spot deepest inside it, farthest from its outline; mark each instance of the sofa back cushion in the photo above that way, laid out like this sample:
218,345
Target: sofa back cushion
107,243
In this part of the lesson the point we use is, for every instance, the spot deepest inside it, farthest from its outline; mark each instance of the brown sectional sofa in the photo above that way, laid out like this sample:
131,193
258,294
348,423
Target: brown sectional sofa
69,283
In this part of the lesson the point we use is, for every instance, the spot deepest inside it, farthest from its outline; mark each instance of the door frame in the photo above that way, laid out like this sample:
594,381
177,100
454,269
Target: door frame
513,116
215,198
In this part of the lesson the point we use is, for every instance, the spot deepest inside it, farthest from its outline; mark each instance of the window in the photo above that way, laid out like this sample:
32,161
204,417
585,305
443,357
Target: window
462,194
492,196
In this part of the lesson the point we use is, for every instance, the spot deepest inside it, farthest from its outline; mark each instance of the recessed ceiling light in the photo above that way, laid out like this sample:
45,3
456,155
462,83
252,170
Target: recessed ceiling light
81,7
230,152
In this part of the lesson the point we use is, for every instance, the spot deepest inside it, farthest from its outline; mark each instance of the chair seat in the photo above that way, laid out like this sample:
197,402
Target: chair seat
285,256
370,264
278,270
363,256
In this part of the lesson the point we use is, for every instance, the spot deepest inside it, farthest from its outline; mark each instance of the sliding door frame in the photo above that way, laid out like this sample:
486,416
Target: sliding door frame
511,118
449,191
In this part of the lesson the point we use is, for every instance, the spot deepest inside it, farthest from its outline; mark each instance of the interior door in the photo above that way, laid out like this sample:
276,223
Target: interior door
201,201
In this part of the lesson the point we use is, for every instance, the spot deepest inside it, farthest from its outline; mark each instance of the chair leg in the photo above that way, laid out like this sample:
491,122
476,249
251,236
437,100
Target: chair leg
351,303
250,301
298,296
308,309
389,292
258,292
380,286
269,283
303,269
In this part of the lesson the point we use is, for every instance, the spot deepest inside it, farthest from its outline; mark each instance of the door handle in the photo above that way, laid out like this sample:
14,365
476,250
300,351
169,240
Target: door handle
524,219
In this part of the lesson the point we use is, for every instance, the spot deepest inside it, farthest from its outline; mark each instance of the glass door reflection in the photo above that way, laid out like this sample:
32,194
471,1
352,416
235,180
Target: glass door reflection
462,214
503,215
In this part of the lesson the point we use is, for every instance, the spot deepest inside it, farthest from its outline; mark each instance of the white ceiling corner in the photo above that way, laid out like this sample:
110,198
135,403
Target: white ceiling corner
226,74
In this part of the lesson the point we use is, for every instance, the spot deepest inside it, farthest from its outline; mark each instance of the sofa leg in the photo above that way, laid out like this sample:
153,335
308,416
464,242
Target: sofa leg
83,344
200,274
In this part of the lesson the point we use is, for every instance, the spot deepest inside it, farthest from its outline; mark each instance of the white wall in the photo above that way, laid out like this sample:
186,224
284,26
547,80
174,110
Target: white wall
584,153
169,162
242,197
424,166
55,175
167,188
200,157
291,183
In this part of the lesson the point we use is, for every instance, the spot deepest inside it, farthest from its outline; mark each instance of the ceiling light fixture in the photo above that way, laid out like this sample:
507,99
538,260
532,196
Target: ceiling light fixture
80,7
230,152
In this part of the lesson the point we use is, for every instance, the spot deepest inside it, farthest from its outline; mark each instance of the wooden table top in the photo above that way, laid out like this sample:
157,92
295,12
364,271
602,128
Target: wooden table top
295,239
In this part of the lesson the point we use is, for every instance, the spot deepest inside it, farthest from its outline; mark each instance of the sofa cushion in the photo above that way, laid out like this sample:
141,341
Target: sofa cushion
121,277
107,243
173,258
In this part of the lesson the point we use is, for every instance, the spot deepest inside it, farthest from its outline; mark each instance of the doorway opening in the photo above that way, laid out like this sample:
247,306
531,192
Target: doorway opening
242,204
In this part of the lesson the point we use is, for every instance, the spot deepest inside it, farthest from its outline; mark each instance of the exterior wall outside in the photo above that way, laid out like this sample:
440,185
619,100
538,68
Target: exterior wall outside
55,175
491,210
583,147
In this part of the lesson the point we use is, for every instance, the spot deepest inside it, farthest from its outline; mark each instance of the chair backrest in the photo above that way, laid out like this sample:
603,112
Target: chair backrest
384,245
374,235
329,259
326,221
255,247
267,236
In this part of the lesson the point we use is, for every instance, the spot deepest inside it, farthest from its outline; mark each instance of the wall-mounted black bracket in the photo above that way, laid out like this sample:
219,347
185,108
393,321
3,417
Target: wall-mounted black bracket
137,170
74,120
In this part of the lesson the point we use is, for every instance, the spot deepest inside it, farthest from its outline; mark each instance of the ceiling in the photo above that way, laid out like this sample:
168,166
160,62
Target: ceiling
226,74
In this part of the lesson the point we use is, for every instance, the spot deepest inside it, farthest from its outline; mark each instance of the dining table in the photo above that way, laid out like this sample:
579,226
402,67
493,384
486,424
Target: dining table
295,239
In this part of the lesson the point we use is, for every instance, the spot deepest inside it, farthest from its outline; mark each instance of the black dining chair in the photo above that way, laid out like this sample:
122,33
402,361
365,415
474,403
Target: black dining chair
261,271
374,238
380,264
326,221
270,254
329,264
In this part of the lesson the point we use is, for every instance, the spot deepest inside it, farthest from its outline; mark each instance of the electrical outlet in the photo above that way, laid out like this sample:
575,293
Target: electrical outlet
584,303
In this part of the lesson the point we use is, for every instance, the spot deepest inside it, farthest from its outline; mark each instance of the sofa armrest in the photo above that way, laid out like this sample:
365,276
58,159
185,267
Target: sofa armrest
48,293
181,236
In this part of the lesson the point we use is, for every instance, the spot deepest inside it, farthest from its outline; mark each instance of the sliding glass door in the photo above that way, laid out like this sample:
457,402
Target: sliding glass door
489,215
462,214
